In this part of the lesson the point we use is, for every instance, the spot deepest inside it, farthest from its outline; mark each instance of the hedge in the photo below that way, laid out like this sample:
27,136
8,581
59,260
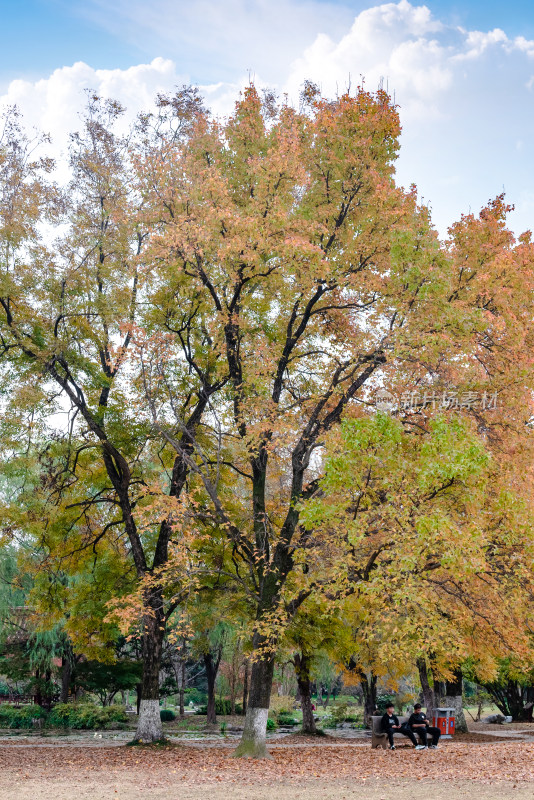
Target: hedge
80,716
286,719
20,717
86,716
223,707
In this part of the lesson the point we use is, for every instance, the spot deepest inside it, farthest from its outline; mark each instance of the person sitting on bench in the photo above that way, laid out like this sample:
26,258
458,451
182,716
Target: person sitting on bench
390,725
419,724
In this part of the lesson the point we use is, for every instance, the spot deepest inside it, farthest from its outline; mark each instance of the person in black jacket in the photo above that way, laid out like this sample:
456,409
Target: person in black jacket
390,725
420,725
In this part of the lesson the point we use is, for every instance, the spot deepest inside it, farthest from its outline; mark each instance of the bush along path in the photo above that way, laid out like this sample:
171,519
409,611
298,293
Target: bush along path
82,716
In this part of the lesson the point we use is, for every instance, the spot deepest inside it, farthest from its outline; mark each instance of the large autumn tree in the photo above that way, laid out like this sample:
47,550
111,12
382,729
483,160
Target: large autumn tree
285,233
83,468
432,507
435,545
221,295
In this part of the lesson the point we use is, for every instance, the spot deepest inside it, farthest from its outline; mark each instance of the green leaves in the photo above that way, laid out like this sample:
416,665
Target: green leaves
413,513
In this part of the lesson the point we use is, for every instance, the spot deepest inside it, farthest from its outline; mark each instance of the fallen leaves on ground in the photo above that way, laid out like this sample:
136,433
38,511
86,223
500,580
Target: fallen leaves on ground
190,766
480,738
316,741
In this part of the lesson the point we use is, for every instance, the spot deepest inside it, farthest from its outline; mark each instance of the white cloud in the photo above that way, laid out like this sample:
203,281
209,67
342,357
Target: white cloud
395,41
476,42
524,44
465,96
406,46
53,104
219,38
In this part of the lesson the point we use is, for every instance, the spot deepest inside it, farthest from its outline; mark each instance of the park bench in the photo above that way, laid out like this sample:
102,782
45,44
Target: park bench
380,739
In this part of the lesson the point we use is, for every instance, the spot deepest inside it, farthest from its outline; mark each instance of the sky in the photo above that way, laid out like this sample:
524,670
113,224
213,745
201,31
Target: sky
462,73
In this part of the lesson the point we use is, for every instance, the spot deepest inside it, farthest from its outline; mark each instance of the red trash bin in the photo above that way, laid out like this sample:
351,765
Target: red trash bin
443,718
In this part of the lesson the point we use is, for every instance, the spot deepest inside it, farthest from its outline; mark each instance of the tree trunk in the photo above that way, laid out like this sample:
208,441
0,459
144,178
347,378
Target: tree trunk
179,667
253,740
234,676
48,690
66,673
182,687
245,687
428,694
149,728
38,696
453,699
369,694
510,698
302,671
211,675
111,697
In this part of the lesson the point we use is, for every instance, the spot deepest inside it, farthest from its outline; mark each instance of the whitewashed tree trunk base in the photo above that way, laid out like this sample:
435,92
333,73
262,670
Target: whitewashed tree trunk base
253,740
149,728
455,701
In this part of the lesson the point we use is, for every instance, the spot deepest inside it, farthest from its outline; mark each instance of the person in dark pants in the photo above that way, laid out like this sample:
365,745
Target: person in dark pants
419,724
390,725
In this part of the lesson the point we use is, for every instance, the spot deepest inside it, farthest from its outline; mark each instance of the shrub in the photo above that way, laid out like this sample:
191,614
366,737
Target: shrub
282,704
404,699
196,696
9,691
271,725
338,713
383,700
80,716
223,707
286,719
347,699
86,716
83,716
167,715
20,716
115,713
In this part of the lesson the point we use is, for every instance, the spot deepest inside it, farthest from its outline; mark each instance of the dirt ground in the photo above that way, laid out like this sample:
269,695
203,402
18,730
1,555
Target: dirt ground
31,771
307,790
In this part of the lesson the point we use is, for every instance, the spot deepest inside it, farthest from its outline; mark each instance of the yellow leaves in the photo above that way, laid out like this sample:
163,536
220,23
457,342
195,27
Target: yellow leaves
222,295
429,566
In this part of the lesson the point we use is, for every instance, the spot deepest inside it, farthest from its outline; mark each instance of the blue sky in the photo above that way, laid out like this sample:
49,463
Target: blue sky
466,92
38,36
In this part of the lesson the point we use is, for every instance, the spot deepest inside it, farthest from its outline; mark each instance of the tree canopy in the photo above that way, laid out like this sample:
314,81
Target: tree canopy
195,333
